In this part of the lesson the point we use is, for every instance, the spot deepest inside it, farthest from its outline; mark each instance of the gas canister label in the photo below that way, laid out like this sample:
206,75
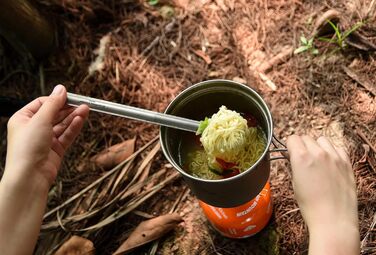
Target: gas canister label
250,208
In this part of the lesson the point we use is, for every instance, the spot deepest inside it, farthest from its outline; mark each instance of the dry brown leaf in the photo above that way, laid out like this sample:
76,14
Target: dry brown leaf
115,154
203,55
148,231
76,245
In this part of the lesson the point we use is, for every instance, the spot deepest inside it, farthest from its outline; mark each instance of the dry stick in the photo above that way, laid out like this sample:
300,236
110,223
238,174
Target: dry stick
144,163
288,212
125,170
60,222
361,135
120,177
182,195
88,201
155,41
120,197
267,81
371,9
364,82
368,232
134,203
41,80
145,172
143,214
281,57
57,246
138,185
99,180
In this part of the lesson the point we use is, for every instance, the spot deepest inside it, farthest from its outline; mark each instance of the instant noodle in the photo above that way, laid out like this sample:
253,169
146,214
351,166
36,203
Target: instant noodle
236,202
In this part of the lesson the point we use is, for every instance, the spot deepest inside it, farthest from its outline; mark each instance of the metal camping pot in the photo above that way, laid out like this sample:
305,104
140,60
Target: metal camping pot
203,100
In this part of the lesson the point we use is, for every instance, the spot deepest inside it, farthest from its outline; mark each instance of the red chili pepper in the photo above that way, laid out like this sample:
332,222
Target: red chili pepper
225,165
230,173
251,120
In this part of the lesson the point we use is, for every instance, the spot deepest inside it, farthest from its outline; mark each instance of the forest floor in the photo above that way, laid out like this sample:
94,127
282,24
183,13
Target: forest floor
149,53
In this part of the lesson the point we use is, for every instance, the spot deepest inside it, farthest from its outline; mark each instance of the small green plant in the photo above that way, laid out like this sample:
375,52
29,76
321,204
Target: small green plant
153,2
340,37
306,45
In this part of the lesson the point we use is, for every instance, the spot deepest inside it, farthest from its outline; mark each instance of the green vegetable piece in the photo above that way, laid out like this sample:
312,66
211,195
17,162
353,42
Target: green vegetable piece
201,127
153,2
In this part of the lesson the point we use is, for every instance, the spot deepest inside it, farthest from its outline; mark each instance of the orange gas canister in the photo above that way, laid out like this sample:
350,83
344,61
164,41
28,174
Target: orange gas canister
242,221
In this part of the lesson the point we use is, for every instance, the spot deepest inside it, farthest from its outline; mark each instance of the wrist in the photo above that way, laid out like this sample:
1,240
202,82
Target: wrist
25,180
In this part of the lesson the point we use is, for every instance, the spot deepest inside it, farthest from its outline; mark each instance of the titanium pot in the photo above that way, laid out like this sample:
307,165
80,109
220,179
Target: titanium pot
203,100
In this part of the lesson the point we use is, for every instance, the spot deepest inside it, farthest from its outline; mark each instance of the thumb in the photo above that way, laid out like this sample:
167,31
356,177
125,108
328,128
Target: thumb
52,105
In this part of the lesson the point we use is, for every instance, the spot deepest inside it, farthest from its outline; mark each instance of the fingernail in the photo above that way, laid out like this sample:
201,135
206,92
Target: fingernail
57,90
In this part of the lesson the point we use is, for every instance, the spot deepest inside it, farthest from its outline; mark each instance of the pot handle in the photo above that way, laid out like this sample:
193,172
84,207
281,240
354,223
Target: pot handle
279,147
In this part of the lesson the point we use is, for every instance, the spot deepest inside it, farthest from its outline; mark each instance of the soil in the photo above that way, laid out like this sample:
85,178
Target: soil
155,51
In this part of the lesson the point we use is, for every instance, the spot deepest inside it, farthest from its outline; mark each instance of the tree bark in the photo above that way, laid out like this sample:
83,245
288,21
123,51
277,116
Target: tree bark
25,29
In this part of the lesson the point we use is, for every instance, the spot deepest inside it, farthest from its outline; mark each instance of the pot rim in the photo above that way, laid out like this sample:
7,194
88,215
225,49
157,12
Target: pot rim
238,176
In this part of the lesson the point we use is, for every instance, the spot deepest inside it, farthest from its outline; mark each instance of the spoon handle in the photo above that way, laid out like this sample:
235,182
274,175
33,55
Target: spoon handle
131,112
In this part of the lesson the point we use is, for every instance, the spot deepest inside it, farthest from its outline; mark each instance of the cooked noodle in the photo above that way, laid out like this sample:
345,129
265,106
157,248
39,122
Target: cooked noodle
226,137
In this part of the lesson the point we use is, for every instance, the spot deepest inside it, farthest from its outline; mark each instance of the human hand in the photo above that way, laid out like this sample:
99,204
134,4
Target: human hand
325,190
38,136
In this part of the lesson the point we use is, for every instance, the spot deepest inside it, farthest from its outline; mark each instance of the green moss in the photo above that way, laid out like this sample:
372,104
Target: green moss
269,239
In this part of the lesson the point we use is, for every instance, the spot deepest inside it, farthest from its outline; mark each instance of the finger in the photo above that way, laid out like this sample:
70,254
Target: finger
296,148
327,145
31,108
63,114
82,110
54,103
295,143
311,144
343,154
57,147
71,132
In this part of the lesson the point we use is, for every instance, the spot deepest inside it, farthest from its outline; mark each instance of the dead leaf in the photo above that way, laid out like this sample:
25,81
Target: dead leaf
148,231
115,154
76,245
203,55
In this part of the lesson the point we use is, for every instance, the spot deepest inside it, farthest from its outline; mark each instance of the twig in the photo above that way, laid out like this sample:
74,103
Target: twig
134,203
60,222
121,196
361,80
281,57
181,197
13,73
267,81
83,191
361,135
143,214
41,80
371,9
288,212
362,246
120,176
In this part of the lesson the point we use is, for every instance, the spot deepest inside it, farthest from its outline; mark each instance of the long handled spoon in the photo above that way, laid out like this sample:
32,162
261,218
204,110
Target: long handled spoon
131,112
